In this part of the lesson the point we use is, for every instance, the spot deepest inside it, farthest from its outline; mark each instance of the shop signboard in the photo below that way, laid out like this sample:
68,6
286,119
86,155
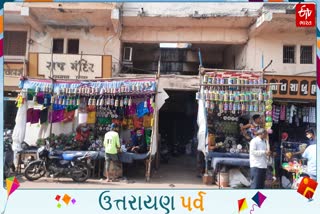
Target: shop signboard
70,66
13,69
292,87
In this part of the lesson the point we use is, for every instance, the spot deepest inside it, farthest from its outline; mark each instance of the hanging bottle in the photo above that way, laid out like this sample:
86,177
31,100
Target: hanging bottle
260,96
121,102
263,107
130,102
112,101
225,106
243,107
251,107
101,102
94,101
220,107
72,101
210,95
231,96
67,100
241,96
212,105
207,104
116,102
230,106
198,95
125,101
78,101
270,94
226,96
216,95
256,107
236,97
235,107
205,79
205,94
145,104
108,101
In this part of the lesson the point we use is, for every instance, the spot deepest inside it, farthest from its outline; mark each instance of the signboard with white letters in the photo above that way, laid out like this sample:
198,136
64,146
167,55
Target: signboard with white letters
293,87
69,66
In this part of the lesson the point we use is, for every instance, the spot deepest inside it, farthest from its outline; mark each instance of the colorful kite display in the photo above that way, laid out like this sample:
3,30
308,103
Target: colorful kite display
258,198
242,204
12,184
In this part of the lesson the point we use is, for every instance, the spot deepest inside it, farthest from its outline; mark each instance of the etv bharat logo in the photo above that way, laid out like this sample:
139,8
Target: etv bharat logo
305,15
305,12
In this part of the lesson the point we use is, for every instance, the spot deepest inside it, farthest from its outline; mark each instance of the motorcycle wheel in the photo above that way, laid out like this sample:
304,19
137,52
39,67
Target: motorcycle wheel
80,172
6,171
34,171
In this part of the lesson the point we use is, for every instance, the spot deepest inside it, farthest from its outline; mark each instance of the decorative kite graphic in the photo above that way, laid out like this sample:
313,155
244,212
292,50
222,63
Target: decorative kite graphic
12,184
307,187
258,198
66,199
242,205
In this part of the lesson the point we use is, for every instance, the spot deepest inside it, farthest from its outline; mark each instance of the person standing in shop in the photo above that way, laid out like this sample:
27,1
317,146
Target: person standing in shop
311,136
82,136
258,159
249,130
311,155
112,146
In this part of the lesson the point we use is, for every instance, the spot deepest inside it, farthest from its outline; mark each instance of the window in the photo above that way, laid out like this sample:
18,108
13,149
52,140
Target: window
73,46
289,54
15,43
127,55
306,54
57,46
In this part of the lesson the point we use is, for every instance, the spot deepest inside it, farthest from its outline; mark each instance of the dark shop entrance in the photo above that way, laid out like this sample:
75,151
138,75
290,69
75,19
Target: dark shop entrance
178,131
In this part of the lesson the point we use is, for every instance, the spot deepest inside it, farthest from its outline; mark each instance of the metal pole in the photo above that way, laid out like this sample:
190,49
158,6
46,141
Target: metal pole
52,90
155,124
80,66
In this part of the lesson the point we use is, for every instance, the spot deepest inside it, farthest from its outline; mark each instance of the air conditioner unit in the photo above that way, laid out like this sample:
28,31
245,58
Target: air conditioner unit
127,54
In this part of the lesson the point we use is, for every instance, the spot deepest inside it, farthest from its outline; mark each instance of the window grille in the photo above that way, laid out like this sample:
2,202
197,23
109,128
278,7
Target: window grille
288,54
15,43
306,55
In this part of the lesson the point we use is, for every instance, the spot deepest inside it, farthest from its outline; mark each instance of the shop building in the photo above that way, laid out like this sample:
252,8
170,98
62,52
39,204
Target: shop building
84,35
240,37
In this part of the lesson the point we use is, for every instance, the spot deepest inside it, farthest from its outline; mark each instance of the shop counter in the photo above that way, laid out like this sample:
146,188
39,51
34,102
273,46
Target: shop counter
230,162
227,154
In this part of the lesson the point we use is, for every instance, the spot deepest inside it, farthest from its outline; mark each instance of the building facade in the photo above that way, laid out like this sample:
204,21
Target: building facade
101,40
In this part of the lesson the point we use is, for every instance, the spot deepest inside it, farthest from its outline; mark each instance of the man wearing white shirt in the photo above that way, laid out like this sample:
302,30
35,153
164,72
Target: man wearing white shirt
311,155
258,159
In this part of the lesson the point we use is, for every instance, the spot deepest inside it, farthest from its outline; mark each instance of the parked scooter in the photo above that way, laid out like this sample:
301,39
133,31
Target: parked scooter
59,164
8,154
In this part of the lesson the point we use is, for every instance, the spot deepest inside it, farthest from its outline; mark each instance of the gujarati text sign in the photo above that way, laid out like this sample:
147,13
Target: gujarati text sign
69,66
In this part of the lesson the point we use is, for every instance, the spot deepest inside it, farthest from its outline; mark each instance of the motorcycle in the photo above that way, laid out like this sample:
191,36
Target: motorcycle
59,164
8,155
